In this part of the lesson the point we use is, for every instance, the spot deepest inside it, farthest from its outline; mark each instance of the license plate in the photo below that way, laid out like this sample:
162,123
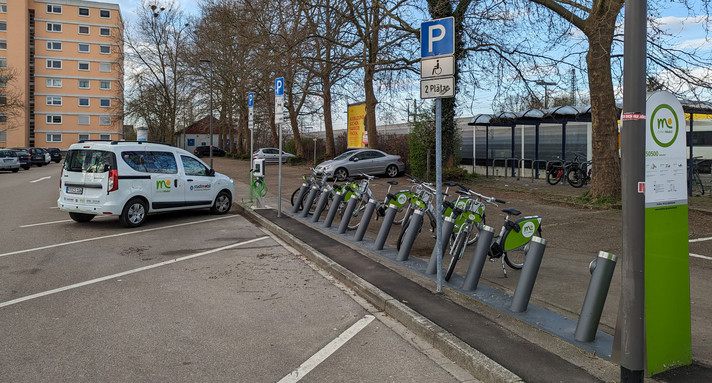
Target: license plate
75,190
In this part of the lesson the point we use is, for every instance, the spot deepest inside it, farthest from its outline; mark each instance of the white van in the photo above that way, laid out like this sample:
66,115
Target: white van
132,179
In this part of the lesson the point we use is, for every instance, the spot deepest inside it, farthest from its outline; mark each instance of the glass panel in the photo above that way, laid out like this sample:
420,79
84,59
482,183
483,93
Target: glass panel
161,162
89,161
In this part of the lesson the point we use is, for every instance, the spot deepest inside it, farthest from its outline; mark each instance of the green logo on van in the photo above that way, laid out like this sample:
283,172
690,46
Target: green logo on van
163,186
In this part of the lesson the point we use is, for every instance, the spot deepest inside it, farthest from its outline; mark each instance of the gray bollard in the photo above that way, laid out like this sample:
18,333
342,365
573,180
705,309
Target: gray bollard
388,218
474,270
525,285
302,191
350,206
310,200
409,237
334,208
323,199
602,273
448,225
365,220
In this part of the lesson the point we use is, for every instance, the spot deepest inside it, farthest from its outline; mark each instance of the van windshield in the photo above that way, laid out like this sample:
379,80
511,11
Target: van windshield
89,161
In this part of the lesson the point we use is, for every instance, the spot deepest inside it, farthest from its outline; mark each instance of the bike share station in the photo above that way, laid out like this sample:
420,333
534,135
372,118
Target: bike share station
437,81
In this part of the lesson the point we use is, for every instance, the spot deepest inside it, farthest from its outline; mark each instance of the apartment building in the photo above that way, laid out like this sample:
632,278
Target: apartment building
63,60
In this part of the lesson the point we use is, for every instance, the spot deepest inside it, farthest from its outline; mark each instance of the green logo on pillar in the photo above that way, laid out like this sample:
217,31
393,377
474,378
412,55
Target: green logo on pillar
664,125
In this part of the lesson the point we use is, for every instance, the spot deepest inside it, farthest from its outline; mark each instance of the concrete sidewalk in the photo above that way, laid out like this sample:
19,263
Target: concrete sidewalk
483,337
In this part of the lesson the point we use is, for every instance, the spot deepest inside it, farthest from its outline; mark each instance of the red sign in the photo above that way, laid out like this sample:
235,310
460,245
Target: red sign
633,116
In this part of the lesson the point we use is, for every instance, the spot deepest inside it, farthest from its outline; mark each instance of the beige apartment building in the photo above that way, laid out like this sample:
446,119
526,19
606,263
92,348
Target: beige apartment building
64,62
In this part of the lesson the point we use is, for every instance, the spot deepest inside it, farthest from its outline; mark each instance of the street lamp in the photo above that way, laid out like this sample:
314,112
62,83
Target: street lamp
210,62
546,91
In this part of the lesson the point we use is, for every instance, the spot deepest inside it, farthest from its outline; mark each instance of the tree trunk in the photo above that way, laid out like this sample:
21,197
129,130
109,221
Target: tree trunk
328,123
371,102
606,176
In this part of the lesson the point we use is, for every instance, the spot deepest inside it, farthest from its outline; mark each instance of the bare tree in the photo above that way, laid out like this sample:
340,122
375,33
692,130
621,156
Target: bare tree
11,100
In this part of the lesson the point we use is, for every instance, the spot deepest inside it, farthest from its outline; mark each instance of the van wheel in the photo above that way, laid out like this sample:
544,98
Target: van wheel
80,217
134,213
222,204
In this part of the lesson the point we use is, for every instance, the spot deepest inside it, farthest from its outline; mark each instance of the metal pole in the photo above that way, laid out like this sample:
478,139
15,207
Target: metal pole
603,267
365,220
633,173
474,270
279,172
525,285
211,111
439,189
350,206
448,225
323,199
386,226
416,220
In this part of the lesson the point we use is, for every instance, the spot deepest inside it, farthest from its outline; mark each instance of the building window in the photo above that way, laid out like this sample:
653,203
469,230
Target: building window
83,102
104,13
105,137
3,8
105,49
3,99
3,81
54,83
83,29
104,67
83,84
105,85
83,137
83,120
3,44
3,26
54,100
54,64
3,62
54,118
104,120
83,65
3,119
52,8
105,102
53,27
54,45
84,12
105,31
54,137
83,48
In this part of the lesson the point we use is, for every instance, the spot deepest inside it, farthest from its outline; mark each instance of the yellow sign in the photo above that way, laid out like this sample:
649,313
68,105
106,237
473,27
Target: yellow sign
356,127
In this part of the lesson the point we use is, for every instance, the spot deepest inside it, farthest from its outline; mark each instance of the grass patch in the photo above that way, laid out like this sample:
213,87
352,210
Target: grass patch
600,202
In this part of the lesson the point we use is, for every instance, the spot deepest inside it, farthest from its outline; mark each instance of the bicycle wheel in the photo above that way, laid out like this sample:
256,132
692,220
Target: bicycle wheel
475,234
555,175
575,177
456,251
515,258
294,196
697,183
258,188
360,207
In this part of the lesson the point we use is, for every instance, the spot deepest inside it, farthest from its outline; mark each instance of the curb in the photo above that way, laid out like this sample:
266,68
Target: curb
476,363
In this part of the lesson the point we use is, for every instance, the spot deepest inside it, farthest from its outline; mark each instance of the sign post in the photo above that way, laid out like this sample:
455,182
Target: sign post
250,125
437,80
278,118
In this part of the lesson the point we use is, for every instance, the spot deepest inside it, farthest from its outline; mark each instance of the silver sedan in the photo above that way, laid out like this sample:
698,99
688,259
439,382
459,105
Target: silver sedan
366,161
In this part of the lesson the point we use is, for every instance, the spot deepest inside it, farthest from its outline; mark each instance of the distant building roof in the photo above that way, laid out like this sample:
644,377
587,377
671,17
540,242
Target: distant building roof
201,126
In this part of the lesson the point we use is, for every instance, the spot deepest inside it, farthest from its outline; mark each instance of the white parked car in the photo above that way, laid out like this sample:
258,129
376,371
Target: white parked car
271,155
133,179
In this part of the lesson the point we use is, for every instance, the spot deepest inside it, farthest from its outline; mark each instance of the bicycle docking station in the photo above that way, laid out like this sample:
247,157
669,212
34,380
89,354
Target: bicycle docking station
323,199
477,264
349,211
525,284
302,192
448,226
338,197
388,218
363,225
310,200
601,269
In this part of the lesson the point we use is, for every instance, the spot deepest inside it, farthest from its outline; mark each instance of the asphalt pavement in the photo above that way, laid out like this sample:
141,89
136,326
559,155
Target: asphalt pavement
504,347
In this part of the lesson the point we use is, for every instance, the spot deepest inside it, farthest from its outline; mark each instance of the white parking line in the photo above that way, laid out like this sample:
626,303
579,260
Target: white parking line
701,239
112,236
41,179
45,223
329,349
701,256
97,280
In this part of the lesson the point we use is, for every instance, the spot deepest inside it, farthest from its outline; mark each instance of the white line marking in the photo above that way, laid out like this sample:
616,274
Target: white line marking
112,236
701,239
97,280
701,256
45,223
41,179
325,352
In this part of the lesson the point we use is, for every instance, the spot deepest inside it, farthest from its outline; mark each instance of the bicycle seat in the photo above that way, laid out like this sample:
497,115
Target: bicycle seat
511,211
392,182
450,183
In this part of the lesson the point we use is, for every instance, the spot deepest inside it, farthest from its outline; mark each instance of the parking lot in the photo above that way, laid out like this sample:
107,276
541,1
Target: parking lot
186,297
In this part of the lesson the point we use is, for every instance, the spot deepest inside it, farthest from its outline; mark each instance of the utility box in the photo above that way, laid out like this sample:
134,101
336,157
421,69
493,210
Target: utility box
259,168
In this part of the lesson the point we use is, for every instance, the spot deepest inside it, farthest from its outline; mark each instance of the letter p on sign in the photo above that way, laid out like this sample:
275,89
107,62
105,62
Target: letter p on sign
437,37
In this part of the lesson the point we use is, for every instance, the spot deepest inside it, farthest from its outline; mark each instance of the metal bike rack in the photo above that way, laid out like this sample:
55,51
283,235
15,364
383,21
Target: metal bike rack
388,218
365,220
515,165
448,225
601,274
474,270
409,237
310,200
525,285
350,206
323,199
536,169
494,165
334,208
302,191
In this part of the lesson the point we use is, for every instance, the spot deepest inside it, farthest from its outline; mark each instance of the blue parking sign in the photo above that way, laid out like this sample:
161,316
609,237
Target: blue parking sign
437,37
250,100
279,86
